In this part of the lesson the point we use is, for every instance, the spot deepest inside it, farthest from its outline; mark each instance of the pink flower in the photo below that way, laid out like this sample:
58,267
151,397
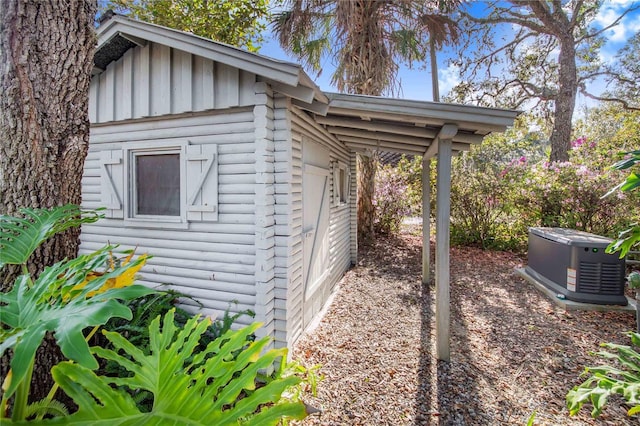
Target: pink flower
578,142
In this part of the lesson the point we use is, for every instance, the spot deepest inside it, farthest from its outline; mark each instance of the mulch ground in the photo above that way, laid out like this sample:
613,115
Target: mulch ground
513,351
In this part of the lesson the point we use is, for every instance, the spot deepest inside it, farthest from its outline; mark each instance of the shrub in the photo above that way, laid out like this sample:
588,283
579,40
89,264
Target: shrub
575,192
390,200
136,331
504,186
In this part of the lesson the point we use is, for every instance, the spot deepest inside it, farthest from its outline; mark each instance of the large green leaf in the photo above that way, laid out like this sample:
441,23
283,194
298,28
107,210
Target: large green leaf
20,236
631,158
216,386
62,301
607,380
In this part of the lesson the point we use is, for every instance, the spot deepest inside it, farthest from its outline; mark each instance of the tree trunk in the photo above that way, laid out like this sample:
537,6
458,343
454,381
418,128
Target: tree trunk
46,57
566,100
366,167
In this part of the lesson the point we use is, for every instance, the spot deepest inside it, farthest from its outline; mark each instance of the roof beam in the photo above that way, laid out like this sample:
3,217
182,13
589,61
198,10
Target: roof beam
379,136
372,126
382,146
470,138
447,132
136,40
301,93
315,106
364,148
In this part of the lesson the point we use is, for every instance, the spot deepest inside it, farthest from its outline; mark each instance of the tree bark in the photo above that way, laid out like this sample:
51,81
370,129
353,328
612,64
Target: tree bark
46,57
566,100
366,171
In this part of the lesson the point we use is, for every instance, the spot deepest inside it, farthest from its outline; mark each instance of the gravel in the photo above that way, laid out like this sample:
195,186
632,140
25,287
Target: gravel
513,351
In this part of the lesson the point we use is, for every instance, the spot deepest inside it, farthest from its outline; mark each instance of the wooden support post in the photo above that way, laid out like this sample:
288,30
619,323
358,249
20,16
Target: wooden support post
443,193
426,219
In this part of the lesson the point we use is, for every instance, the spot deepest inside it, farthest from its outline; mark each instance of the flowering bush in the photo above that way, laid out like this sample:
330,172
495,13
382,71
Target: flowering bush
575,192
505,186
390,200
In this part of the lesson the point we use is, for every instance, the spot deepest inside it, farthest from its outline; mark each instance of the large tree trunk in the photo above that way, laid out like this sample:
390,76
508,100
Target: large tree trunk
367,60
565,101
46,57
366,171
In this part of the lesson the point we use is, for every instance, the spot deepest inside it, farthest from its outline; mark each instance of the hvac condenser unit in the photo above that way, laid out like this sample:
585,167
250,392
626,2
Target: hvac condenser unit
574,265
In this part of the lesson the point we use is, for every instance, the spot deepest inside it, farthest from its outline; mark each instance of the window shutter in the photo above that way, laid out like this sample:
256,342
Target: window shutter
112,183
202,182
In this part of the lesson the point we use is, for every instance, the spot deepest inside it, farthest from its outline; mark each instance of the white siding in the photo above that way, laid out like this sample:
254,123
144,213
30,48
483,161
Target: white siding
340,221
288,229
212,261
252,254
264,210
155,80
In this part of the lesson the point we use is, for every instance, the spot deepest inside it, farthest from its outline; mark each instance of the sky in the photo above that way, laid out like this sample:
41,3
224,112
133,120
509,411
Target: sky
416,82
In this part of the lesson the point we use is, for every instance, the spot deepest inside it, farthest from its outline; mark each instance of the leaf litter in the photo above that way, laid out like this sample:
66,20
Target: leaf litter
513,352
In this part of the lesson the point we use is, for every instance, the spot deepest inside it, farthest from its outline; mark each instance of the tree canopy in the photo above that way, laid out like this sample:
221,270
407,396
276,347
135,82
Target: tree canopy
549,53
366,40
235,22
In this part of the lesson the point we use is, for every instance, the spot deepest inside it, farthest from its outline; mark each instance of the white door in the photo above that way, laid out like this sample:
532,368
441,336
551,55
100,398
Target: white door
315,227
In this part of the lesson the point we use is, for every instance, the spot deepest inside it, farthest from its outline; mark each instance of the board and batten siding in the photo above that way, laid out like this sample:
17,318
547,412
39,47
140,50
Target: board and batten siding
155,80
213,261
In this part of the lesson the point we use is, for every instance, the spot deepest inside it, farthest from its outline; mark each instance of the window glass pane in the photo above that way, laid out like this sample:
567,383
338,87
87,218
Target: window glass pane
343,186
158,185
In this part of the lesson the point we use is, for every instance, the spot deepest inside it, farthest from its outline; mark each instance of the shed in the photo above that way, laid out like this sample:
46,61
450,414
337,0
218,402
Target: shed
237,173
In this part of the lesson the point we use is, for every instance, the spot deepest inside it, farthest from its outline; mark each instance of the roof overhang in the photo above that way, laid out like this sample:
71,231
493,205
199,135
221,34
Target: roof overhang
370,123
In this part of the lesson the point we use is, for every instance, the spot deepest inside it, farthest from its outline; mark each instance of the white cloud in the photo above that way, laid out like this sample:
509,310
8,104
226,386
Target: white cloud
448,78
608,13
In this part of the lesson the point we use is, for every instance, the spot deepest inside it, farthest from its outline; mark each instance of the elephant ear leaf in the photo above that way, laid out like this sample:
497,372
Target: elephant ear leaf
216,385
63,300
20,236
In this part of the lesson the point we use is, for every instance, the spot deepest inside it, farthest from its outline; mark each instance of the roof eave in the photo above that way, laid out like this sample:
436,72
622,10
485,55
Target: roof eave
468,117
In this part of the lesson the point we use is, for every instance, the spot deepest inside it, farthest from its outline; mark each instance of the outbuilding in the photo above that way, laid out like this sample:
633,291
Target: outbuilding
238,174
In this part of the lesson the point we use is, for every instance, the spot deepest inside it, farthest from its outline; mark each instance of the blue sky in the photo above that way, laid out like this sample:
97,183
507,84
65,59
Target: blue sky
416,82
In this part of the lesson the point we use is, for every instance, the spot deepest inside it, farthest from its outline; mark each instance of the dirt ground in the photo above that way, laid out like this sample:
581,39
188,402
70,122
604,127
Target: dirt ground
513,351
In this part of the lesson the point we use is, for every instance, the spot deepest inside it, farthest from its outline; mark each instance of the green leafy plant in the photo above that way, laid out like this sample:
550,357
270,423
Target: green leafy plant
606,380
136,331
20,236
628,238
211,387
64,299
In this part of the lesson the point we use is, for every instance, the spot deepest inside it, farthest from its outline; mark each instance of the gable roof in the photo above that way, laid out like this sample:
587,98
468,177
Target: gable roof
363,123
119,34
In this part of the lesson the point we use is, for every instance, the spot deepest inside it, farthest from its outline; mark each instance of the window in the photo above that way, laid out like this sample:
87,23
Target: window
160,184
340,184
156,184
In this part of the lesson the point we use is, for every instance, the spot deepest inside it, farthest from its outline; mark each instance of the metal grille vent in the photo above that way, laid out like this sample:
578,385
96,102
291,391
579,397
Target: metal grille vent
599,278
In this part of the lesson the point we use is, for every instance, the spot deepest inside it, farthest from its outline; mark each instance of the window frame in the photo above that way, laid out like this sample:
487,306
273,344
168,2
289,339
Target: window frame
131,152
341,189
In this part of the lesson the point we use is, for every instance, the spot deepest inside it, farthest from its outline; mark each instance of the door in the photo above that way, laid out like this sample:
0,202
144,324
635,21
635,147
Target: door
315,227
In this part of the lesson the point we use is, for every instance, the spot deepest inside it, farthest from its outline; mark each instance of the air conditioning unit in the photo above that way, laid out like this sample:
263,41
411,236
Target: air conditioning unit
574,264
